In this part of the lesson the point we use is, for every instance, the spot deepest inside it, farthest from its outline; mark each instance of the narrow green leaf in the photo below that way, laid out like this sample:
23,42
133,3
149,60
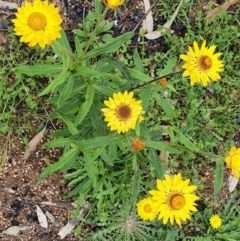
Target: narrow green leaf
98,141
39,69
157,165
67,158
136,185
137,61
171,63
62,44
161,146
139,75
146,95
83,188
78,46
110,47
84,109
98,6
90,167
58,143
55,83
167,108
185,141
218,181
71,126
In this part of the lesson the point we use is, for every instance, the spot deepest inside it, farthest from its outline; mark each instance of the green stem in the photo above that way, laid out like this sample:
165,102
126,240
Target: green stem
55,44
203,153
93,33
153,80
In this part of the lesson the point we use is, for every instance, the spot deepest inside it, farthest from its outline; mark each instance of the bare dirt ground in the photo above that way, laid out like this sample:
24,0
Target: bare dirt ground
19,193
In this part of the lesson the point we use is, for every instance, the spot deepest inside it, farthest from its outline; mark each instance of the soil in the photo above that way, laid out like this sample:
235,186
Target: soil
19,193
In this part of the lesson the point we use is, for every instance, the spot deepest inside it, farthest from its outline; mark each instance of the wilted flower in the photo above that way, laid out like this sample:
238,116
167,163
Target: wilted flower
137,144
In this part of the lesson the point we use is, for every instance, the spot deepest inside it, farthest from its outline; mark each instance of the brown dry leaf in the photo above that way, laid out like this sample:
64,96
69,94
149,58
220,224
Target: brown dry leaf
148,22
32,145
232,183
224,7
42,219
14,230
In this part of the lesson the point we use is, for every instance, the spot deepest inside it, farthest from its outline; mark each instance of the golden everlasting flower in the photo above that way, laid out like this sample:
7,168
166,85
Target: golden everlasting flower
146,209
215,221
202,64
174,199
37,23
123,112
137,145
113,3
233,161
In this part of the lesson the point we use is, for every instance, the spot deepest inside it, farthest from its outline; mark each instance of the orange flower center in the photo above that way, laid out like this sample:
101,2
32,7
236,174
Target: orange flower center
123,112
147,208
205,62
37,21
177,201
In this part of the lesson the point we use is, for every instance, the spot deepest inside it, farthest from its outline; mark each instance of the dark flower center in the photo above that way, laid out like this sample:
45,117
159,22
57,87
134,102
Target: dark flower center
205,62
123,112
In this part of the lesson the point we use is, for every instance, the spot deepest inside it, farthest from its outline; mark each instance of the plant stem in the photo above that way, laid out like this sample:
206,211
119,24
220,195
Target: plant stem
93,33
153,80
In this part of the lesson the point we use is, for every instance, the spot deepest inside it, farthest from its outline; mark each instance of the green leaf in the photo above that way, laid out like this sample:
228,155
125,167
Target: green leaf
136,185
139,75
62,45
157,165
58,142
137,61
71,126
83,187
218,181
98,6
60,165
39,69
161,146
110,47
146,95
98,141
78,46
90,167
185,141
84,109
55,83
167,108
171,63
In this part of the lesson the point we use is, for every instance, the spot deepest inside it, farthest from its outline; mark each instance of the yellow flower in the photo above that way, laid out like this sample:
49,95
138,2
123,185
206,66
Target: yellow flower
146,209
123,112
202,64
174,199
215,221
113,3
233,161
37,23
